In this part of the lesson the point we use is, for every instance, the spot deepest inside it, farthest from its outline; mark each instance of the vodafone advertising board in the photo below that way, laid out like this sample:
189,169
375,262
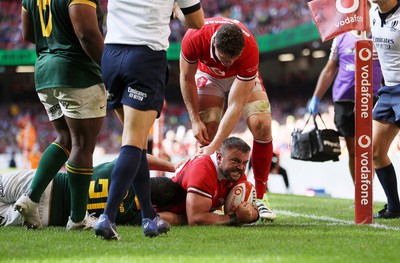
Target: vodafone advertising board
363,133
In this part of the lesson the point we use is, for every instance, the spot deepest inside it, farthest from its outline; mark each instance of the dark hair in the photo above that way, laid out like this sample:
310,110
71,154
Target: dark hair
164,191
234,143
229,40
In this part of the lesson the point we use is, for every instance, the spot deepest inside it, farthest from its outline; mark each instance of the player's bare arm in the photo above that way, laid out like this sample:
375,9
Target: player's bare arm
198,211
156,163
191,99
326,78
192,20
84,21
28,33
173,219
238,96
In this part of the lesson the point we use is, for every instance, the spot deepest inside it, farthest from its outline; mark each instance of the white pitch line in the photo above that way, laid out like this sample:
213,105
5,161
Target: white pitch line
332,219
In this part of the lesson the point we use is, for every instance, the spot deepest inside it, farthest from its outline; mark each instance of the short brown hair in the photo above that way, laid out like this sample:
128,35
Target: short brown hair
229,40
231,143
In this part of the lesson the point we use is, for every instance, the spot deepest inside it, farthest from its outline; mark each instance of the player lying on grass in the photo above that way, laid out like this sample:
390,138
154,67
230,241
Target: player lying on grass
199,187
204,183
207,180
54,204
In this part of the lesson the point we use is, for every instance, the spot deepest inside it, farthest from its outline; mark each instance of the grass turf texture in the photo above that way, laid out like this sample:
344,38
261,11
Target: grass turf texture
308,229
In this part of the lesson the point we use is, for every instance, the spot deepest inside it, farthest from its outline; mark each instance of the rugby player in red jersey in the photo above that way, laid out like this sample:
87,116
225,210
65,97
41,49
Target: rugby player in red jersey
220,61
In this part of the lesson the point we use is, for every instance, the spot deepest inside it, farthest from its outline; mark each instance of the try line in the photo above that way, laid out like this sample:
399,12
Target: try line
332,219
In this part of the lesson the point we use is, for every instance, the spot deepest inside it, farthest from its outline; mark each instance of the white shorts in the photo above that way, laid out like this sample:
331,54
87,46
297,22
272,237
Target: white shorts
75,103
12,186
208,85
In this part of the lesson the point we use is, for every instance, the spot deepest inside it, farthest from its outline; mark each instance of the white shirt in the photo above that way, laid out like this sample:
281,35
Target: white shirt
141,22
12,186
386,39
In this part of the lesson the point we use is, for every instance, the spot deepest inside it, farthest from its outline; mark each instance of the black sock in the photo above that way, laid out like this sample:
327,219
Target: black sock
141,184
122,177
387,178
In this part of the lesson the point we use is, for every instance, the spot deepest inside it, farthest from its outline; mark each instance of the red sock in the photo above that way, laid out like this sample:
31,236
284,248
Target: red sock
261,158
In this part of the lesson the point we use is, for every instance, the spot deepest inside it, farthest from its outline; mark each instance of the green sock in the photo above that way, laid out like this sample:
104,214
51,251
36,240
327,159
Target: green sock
53,158
79,181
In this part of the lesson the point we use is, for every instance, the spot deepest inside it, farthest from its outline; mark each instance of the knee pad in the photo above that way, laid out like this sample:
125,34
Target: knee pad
256,107
211,114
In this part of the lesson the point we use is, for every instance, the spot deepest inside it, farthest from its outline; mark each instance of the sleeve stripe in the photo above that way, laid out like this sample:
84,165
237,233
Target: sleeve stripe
191,9
247,78
86,2
189,61
198,191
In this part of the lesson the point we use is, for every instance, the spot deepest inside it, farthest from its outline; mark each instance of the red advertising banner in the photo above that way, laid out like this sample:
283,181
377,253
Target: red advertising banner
363,133
334,17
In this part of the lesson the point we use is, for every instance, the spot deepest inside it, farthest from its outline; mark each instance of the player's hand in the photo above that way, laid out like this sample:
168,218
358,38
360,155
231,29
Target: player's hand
313,105
206,150
178,164
175,11
246,213
200,133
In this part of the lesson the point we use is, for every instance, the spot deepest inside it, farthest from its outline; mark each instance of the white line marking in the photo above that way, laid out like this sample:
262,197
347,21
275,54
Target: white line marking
334,220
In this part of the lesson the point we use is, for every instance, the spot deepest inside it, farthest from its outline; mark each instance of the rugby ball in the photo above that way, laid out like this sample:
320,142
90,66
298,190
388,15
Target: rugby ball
242,192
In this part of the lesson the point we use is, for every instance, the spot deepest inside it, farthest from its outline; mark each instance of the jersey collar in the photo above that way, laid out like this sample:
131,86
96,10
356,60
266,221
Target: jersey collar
212,49
385,15
214,160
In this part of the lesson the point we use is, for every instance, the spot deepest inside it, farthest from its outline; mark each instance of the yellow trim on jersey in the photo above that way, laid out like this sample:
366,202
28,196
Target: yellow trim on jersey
86,2
104,189
137,203
46,28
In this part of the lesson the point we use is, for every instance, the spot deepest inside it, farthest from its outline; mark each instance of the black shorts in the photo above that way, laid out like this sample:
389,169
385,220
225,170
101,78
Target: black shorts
134,76
387,107
345,118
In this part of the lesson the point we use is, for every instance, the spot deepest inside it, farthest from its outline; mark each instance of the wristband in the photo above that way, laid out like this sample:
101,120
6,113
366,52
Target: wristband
233,220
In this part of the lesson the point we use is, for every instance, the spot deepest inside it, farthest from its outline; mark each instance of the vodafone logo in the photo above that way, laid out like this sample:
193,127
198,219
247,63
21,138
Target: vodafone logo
365,54
239,190
364,141
346,10
350,9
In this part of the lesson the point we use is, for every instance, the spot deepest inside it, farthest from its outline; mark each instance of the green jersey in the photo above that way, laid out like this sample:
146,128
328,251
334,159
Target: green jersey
61,62
128,213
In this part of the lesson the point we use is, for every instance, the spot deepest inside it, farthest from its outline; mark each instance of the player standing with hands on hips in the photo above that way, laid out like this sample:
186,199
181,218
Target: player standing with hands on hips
134,68
386,113
221,60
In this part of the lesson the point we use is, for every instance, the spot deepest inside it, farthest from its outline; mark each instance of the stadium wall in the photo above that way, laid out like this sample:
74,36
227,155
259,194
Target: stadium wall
330,178
267,43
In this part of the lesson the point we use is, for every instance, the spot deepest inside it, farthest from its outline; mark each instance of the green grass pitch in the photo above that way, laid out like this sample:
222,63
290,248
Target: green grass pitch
308,229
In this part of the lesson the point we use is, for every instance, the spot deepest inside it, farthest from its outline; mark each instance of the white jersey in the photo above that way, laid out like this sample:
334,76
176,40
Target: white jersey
141,22
12,186
386,38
